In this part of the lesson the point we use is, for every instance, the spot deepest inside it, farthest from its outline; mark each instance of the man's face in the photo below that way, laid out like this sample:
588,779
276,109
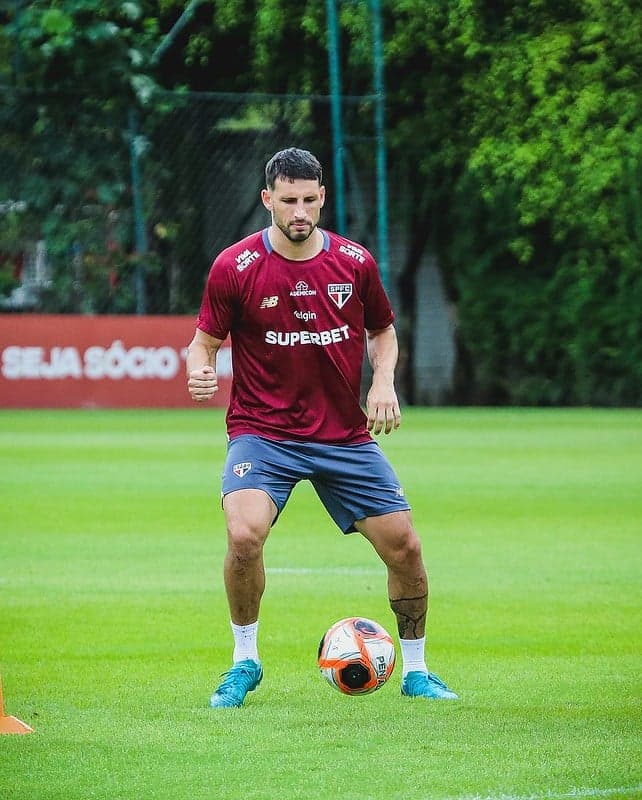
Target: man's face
295,207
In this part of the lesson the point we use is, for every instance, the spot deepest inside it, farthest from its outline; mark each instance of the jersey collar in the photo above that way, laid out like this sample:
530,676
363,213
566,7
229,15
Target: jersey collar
268,246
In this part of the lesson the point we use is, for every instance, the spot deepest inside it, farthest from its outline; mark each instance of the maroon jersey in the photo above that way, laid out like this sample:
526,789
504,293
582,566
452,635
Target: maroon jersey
297,331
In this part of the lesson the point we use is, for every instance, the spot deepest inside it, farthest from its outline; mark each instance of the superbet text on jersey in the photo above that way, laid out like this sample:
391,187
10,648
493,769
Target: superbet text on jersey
297,331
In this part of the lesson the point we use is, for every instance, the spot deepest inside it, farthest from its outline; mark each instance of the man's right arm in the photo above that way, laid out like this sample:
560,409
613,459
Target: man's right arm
202,383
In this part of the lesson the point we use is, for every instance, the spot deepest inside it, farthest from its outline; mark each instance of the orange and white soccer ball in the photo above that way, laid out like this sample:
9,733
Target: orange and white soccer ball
356,655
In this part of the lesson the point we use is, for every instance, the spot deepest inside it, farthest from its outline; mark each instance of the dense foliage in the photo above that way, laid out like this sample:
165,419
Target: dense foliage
525,126
515,152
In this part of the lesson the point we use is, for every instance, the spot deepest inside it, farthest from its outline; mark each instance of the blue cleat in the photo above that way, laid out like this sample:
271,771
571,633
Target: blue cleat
243,677
425,684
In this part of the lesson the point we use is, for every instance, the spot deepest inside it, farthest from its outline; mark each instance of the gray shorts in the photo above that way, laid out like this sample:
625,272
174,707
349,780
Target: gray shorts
352,481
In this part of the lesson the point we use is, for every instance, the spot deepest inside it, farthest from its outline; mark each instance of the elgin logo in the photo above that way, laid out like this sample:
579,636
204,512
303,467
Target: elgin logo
242,469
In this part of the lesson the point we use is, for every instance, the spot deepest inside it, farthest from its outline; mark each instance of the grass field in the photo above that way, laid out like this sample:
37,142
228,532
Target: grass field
114,626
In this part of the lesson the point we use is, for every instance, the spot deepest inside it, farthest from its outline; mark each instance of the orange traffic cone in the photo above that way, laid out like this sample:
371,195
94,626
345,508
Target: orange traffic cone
11,724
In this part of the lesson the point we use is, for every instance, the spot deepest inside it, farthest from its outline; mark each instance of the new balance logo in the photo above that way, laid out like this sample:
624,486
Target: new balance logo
269,302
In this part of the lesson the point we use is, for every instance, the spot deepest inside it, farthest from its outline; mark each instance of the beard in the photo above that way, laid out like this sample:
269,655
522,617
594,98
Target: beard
294,235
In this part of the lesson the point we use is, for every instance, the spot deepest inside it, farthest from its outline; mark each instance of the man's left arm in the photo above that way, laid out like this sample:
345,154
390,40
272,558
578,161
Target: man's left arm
382,405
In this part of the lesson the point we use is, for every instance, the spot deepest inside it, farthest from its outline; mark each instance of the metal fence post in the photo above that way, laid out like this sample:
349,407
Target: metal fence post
139,216
382,178
337,125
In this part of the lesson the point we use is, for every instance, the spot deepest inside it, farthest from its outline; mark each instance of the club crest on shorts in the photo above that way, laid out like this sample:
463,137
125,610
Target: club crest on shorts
340,293
242,469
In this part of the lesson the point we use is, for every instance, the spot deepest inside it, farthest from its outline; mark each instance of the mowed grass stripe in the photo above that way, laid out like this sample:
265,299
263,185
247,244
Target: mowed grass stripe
114,628
621,791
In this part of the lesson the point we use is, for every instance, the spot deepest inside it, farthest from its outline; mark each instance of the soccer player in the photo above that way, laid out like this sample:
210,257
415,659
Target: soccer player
300,305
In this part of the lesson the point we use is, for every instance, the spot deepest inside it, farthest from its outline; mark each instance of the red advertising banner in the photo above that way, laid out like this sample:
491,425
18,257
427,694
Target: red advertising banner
66,361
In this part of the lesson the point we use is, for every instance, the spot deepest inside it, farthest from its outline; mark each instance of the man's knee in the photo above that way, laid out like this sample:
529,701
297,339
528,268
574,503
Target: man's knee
400,547
246,541
405,550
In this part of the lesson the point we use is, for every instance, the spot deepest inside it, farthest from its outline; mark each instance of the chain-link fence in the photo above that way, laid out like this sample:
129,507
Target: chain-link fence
106,209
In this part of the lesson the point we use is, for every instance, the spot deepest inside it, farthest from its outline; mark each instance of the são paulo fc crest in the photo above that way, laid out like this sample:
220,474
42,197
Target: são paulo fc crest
340,293
242,469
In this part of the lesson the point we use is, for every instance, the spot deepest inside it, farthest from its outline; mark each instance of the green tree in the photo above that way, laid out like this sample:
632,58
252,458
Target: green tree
514,135
523,121
556,149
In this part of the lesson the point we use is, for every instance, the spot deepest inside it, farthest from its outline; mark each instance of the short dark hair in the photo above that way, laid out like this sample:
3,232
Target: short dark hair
292,164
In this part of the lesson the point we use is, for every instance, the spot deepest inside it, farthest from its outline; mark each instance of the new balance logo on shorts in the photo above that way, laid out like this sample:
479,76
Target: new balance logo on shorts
242,469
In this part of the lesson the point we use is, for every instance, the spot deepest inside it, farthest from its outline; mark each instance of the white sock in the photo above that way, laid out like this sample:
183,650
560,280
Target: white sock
412,655
245,637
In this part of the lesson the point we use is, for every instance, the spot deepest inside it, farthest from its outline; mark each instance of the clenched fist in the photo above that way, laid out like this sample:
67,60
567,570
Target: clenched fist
202,384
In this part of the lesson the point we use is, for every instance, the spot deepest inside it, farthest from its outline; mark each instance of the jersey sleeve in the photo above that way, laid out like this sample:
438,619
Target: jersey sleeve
218,304
378,312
